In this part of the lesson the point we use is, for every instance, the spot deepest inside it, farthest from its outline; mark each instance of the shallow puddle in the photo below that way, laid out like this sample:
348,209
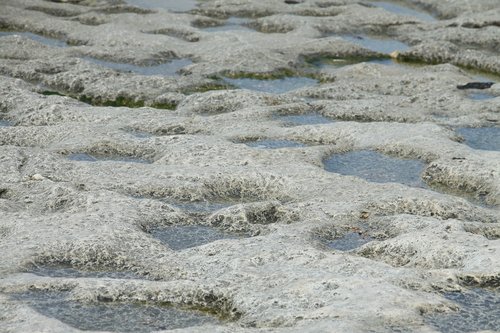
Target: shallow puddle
480,96
349,241
70,272
274,144
82,157
479,310
167,69
113,317
399,8
187,236
381,45
277,86
376,167
485,138
5,123
38,38
172,5
304,119
232,23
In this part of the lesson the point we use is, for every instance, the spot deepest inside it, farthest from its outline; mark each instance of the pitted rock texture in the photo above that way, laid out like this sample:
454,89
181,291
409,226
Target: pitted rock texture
190,130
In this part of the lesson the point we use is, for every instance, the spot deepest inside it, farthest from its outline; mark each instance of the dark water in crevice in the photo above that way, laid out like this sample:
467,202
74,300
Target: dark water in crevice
349,241
376,167
172,5
479,309
170,68
111,316
38,38
400,8
187,236
274,144
484,138
83,157
276,86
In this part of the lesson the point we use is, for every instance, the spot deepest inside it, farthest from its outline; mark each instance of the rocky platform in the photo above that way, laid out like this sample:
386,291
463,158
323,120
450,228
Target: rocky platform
121,121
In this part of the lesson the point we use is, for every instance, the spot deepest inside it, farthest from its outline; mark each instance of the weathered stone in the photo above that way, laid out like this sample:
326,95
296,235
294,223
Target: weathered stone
408,244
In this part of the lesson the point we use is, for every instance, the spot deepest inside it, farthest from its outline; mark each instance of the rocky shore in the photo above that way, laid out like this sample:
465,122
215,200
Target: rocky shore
249,166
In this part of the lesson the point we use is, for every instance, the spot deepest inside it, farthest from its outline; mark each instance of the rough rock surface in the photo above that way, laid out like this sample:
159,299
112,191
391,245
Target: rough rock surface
188,131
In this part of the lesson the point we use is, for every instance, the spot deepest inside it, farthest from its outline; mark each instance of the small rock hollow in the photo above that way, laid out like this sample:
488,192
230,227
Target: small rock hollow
376,167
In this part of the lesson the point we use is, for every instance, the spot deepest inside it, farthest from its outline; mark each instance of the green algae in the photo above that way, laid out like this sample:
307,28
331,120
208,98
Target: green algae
273,75
320,59
437,60
207,87
117,102
323,60
120,101
164,105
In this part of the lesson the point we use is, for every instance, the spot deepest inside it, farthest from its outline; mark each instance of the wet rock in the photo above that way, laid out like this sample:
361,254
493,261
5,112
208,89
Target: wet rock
83,222
476,85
